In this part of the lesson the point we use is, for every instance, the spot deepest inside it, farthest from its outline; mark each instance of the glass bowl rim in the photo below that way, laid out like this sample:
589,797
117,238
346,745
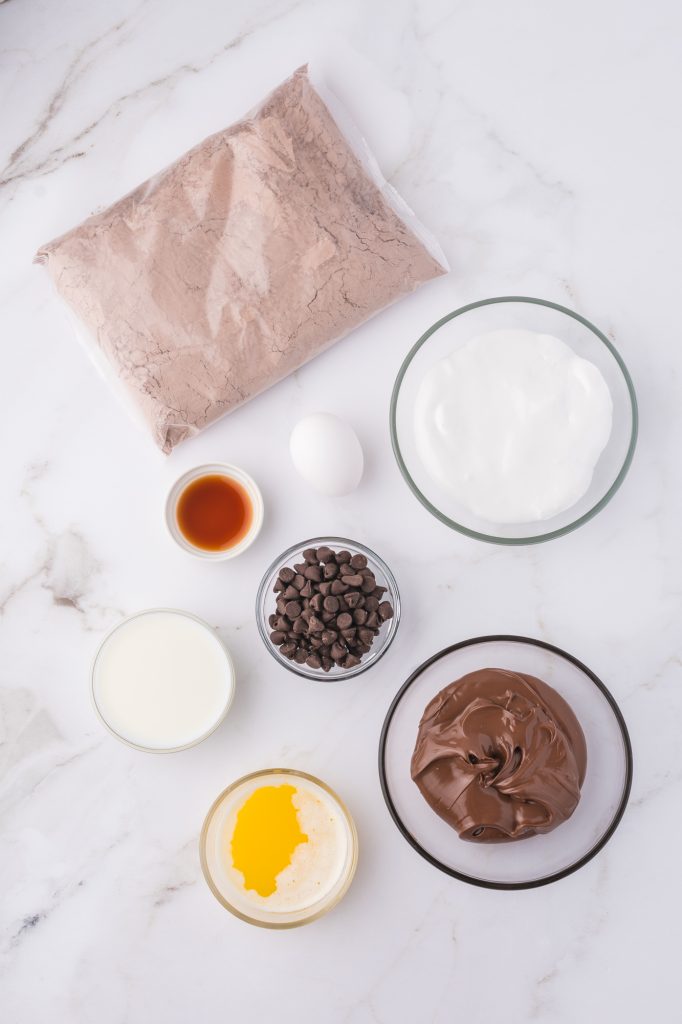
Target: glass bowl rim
353,854
230,664
313,542
489,537
471,879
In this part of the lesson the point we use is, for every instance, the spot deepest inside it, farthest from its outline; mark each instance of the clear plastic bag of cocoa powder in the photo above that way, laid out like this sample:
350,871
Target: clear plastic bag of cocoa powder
249,255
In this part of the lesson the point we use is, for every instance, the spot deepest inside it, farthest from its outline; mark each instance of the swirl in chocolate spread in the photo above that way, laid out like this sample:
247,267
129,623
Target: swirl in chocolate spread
500,756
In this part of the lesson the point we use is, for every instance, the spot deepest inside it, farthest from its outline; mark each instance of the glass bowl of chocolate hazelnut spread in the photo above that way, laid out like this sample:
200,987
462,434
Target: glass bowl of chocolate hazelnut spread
505,762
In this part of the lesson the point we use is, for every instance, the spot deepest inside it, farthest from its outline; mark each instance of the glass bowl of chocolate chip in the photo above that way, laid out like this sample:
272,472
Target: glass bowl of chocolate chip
328,608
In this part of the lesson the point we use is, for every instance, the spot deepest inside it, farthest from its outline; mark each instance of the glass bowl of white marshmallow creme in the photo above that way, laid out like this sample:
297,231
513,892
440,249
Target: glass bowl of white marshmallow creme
513,420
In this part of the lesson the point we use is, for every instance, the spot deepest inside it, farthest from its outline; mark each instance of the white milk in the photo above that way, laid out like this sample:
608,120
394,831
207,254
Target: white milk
162,680
512,424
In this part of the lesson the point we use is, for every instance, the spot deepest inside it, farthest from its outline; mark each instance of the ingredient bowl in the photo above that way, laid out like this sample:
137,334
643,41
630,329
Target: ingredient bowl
454,331
529,862
266,598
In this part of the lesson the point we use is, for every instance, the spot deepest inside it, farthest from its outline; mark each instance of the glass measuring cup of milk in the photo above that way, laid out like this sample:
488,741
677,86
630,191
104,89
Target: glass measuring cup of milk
162,680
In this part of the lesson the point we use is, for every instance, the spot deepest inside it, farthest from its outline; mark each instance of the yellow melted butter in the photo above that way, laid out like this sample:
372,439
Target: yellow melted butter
265,837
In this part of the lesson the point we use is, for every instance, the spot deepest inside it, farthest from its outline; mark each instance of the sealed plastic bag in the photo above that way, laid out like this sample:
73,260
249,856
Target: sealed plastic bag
238,263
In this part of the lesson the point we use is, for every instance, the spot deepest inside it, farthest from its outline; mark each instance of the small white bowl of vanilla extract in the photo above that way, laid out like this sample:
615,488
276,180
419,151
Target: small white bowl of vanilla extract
214,512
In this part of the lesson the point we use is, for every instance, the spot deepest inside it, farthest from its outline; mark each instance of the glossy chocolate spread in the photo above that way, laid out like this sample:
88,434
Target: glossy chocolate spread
500,756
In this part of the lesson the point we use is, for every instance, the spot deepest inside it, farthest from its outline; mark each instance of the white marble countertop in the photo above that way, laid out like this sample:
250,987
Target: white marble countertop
541,142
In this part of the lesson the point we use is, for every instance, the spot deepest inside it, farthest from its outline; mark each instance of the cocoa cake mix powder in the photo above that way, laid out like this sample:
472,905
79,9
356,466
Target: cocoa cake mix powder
237,264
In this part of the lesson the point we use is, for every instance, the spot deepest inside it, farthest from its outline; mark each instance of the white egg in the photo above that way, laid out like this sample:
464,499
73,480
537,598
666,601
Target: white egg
326,452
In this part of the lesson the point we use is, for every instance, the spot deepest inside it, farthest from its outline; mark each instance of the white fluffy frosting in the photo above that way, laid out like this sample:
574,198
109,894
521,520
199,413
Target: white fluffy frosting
512,425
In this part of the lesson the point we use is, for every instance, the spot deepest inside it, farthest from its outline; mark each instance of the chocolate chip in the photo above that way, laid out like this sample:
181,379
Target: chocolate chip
327,616
339,587
298,581
280,605
300,655
359,615
350,661
331,604
279,585
329,636
385,611
373,620
288,649
353,599
271,620
313,572
325,588
331,570
313,661
368,584
300,626
353,581
366,636
281,622
338,651
327,664
315,625
344,621
278,637
306,589
358,561
286,574
293,610
349,634
324,554
371,604
379,592
300,567
310,555
342,557
316,602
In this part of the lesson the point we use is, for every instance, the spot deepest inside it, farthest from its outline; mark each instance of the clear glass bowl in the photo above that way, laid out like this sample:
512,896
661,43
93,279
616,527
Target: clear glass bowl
265,605
212,841
214,469
526,863
455,330
173,613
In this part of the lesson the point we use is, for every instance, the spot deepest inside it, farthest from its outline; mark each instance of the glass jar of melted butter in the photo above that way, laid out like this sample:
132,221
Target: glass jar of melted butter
278,848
